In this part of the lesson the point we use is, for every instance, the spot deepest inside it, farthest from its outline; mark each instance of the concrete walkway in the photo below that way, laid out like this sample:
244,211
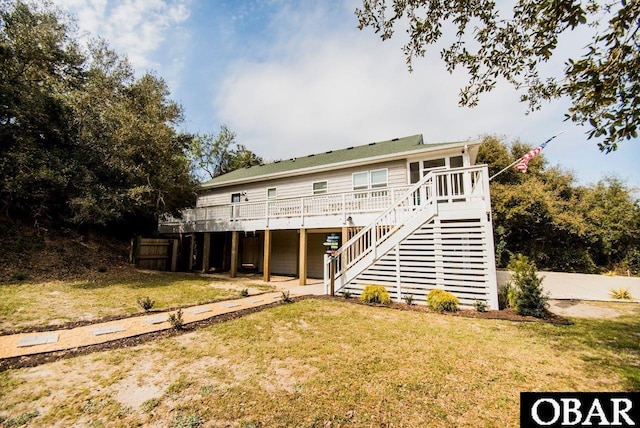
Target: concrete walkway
24,344
578,286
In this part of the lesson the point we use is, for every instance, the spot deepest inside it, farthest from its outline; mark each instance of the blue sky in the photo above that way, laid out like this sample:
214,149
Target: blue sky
294,77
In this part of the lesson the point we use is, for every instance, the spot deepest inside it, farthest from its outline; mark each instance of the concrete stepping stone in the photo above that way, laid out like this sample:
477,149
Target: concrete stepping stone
39,339
107,330
157,320
256,301
231,305
196,311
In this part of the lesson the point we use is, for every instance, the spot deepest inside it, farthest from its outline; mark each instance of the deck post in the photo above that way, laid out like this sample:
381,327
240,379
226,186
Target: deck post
235,237
192,245
302,269
267,256
206,249
174,254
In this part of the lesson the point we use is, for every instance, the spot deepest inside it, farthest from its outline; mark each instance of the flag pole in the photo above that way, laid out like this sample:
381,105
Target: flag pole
519,159
503,170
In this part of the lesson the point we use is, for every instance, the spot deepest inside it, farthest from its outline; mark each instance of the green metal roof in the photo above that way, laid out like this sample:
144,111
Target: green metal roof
372,150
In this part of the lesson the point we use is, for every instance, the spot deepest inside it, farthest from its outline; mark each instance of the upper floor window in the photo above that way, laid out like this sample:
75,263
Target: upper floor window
320,187
373,179
420,169
360,180
271,193
378,178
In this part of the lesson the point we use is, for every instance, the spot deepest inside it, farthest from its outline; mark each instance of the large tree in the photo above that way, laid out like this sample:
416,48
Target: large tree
84,142
214,155
561,225
493,43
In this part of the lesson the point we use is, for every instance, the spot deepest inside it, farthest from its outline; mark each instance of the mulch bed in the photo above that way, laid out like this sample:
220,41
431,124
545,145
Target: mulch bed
46,357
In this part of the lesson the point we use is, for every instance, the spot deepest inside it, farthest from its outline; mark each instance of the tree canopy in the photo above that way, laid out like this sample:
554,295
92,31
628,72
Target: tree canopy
84,142
560,225
492,43
220,154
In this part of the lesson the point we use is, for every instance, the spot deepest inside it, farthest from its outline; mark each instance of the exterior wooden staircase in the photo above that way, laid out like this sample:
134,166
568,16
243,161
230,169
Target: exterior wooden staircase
413,247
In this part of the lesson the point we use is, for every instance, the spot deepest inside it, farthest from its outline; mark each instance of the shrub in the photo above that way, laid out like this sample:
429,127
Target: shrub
480,305
442,301
176,320
526,295
346,294
286,297
375,294
20,276
146,303
504,292
620,294
244,292
102,269
408,299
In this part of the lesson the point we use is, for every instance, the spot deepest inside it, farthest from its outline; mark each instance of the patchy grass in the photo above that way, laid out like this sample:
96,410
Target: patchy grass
321,363
114,293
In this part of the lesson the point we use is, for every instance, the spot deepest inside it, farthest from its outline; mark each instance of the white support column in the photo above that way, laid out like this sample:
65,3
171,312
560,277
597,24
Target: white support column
398,282
492,281
439,254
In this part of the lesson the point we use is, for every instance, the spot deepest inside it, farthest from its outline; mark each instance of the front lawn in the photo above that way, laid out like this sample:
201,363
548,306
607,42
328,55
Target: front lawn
318,363
25,304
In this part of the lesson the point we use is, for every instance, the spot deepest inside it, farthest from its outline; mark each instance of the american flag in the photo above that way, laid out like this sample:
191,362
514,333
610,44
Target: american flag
524,161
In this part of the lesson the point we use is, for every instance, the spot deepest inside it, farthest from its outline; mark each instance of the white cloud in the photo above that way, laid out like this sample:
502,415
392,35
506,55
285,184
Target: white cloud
136,28
321,87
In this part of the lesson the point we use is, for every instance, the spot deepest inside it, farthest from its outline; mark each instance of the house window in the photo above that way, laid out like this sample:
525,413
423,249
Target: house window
456,162
360,180
370,179
432,164
414,172
235,197
320,187
378,178
271,193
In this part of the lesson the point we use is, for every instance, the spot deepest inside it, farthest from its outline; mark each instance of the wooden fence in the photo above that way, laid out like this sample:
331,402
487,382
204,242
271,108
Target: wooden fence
154,254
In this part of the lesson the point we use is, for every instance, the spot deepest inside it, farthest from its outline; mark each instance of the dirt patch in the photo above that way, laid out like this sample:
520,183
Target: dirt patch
581,309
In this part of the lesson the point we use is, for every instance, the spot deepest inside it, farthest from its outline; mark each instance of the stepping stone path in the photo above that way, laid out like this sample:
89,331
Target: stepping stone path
18,345
39,339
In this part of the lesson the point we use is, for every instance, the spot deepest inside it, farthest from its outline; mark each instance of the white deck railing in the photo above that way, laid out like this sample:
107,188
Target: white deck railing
452,185
363,201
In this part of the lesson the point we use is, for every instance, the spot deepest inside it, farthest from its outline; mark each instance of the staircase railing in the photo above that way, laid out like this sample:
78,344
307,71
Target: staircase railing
367,240
437,187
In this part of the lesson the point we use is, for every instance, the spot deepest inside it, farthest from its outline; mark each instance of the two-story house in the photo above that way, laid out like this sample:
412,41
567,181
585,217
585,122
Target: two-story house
409,215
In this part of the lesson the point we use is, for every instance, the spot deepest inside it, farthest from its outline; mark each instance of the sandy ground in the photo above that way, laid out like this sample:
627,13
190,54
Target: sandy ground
585,309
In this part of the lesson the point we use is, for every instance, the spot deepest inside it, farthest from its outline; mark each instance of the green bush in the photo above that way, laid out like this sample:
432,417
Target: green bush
620,294
146,303
442,301
480,305
408,299
286,297
375,294
176,320
526,295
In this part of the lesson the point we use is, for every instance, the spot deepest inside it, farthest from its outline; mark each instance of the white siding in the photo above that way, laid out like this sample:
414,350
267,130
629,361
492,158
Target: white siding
338,182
